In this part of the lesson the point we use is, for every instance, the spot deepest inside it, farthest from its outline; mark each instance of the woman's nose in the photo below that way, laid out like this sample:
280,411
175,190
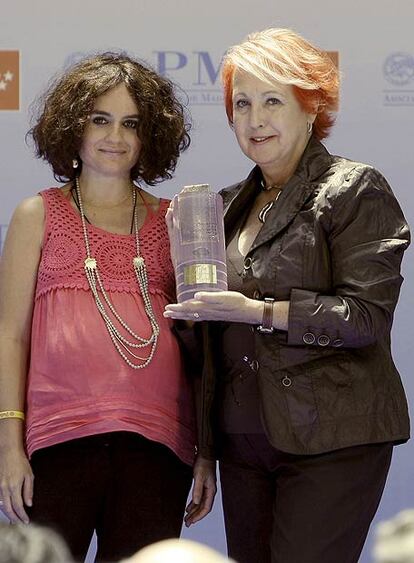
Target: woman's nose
257,116
114,132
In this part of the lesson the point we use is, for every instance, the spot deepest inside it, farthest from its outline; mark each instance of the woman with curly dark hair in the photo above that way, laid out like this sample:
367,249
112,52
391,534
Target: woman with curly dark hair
86,356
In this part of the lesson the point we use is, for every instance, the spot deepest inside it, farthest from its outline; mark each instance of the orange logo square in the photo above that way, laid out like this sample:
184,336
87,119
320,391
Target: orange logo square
9,80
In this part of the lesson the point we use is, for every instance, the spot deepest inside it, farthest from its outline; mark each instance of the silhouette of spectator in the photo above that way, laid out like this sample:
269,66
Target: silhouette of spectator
177,551
31,544
394,541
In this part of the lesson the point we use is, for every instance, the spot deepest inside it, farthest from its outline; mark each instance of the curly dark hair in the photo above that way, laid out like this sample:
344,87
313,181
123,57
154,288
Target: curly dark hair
64,110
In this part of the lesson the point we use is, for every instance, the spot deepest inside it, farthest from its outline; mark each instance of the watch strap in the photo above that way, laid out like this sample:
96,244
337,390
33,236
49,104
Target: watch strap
267,321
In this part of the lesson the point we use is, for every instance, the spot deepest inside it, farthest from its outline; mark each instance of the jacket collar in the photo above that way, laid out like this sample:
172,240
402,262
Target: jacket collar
314,162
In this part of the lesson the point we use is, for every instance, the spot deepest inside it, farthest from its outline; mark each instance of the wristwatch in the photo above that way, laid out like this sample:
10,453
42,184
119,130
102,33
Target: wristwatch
267,322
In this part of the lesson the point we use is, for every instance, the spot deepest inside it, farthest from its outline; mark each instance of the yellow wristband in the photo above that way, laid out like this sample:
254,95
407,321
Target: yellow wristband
12,414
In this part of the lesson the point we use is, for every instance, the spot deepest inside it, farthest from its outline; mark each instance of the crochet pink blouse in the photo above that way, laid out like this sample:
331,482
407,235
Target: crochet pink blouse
78,384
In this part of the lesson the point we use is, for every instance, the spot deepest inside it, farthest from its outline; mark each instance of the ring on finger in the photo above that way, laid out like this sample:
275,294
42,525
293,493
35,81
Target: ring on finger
196,315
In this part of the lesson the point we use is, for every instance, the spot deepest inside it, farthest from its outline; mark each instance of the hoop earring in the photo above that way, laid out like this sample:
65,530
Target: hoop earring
310,127
75,163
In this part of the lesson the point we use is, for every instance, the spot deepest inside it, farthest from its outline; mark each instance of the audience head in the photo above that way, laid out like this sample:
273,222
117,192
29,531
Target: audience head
177,551
394,539
20,543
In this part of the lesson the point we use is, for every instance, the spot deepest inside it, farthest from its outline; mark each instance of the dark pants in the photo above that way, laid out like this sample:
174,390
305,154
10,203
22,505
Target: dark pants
131,490
284,508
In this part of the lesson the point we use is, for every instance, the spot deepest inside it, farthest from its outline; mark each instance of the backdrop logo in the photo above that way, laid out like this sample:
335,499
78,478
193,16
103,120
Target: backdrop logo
9,80
398,70
197,72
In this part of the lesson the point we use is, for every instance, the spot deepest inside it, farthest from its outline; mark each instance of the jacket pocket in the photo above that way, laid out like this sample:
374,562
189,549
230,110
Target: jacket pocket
300,399
334,392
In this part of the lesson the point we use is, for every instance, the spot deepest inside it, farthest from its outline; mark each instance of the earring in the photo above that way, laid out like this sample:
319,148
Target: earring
75,163
310,127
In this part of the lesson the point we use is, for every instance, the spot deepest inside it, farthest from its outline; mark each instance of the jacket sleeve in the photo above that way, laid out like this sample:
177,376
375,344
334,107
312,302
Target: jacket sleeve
367,238
195,343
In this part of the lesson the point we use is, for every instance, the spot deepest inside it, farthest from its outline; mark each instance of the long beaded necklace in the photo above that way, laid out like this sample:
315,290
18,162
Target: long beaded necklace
121,343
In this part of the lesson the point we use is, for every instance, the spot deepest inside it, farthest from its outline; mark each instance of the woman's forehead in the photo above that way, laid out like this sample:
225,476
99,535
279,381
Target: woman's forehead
117,97
246,81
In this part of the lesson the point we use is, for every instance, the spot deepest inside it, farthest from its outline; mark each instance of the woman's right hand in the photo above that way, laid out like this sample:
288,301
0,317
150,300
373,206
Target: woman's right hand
16,484
204,491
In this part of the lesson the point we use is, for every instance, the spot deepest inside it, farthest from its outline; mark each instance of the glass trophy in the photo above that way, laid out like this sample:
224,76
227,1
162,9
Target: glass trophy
197,247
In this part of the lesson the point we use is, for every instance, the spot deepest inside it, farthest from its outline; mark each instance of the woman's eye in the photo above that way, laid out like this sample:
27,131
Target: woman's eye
99,120
273,101
240,104
131,124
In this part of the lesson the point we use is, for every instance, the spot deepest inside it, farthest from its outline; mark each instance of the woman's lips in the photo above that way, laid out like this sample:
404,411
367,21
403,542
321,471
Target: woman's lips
261,140
112,151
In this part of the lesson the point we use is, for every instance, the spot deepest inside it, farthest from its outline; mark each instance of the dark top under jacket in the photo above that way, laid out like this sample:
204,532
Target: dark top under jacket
332,245
237,392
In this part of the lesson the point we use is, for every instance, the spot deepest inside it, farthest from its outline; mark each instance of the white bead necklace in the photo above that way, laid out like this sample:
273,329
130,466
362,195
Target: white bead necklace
121,343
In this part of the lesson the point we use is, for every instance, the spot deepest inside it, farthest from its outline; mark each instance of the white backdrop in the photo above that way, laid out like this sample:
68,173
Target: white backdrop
187,39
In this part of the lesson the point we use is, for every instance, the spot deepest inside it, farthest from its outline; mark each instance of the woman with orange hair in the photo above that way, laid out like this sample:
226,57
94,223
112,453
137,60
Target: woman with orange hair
301,400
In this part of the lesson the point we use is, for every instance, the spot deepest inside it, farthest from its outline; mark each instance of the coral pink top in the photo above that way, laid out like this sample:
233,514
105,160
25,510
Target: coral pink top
78,384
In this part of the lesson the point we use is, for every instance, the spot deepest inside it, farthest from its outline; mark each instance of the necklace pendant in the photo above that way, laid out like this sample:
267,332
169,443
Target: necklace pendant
264,211
138,261
266,208
90,263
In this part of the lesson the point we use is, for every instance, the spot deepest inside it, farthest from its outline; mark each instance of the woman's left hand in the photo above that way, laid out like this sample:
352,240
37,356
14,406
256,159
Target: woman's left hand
230,306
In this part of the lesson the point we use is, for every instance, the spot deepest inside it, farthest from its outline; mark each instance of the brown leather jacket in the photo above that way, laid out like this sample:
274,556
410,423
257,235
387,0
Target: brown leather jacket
332,245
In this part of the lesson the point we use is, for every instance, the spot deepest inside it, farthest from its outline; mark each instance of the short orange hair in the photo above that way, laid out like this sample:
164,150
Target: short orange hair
281,55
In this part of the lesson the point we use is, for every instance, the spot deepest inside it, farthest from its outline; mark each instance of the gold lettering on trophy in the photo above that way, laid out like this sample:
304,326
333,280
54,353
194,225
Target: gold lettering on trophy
200,273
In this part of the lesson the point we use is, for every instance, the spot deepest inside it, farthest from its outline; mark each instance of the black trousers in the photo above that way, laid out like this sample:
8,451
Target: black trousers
131,490
283,508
